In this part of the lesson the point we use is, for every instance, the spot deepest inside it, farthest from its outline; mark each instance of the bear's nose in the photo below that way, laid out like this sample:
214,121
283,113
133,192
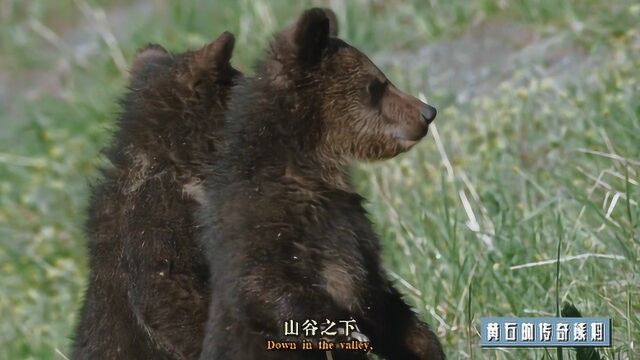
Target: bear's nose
428,113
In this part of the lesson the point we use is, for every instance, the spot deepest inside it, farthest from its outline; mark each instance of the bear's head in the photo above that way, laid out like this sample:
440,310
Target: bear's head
176,102
192,73
357,112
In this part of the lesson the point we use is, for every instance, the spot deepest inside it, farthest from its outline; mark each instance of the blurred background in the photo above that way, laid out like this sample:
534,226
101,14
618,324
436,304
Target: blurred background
524,196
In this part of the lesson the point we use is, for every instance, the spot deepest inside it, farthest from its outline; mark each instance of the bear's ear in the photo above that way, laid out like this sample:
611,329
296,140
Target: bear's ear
333,22
310,34
216,54
149,57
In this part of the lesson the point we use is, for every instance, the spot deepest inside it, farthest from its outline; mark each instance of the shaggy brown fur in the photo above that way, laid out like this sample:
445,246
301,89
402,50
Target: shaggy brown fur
285,235
148,288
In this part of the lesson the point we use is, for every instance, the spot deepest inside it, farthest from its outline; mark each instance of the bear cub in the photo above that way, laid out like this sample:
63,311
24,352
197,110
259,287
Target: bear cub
286,236
148,288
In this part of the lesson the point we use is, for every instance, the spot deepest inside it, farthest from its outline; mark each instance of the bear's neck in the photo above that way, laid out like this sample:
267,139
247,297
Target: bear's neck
270,136
314,173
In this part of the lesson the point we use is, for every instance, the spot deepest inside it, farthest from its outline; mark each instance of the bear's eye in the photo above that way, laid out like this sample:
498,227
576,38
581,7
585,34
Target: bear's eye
376,89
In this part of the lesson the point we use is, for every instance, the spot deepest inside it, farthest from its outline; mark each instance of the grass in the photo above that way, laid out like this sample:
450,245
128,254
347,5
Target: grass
536,171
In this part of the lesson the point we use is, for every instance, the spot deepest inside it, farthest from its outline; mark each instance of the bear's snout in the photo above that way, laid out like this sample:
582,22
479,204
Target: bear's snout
428,114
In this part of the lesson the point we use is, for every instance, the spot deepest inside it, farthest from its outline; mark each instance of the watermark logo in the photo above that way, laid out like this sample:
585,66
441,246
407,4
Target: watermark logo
545,331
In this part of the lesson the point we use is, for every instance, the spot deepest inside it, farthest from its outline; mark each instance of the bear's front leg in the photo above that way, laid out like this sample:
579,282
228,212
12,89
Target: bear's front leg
242,325
397,333
269,300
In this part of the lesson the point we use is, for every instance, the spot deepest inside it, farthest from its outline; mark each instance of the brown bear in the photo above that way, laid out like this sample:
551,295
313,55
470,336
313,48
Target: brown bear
148,287
286,237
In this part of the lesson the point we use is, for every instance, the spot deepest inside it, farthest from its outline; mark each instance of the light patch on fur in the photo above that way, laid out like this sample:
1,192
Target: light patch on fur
195,190
138,173
341,285
277,75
